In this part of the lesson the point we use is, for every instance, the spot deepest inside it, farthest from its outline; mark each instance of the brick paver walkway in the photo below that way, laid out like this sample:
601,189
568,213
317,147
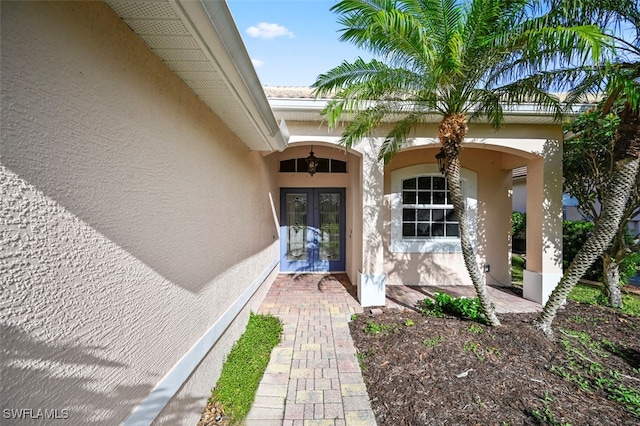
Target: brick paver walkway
313,377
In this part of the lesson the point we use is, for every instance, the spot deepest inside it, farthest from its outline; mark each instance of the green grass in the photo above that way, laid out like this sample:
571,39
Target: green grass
585,293
517,266
587,369
245,365
374,328
434,341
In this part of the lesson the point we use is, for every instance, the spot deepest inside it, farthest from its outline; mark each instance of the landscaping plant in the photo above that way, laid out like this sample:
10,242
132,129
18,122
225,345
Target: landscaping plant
462,307
244,367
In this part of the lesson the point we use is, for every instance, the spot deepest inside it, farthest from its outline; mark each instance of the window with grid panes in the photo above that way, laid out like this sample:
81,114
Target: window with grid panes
427,211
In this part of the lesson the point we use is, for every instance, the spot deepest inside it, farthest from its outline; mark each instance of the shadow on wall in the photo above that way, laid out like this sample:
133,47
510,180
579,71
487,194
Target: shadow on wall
84,324
66,387
63,374
552,202
125,145
494,227
372,212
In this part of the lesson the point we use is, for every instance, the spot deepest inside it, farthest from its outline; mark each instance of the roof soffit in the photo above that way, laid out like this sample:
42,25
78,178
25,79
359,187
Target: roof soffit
199,42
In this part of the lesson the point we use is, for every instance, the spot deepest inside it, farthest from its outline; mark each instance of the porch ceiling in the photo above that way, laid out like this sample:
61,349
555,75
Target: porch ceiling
199,42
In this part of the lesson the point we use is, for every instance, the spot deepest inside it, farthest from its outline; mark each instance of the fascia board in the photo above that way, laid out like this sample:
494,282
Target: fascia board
212,25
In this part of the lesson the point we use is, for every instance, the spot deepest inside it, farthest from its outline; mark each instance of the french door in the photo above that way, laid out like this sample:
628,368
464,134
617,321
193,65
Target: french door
312,229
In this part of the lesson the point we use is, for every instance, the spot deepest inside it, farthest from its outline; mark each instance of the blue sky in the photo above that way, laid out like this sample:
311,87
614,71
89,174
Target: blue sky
291,41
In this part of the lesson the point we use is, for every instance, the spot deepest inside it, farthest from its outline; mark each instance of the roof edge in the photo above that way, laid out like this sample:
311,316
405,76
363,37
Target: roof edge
236,65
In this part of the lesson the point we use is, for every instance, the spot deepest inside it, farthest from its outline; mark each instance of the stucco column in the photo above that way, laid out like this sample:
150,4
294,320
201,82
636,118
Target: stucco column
371,277
544,223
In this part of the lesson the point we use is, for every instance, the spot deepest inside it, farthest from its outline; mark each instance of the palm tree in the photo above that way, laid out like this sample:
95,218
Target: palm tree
587,169
452,58
621,75
626,167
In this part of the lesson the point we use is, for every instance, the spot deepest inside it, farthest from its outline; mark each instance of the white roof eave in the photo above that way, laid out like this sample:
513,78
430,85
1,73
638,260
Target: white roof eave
308,109
200,43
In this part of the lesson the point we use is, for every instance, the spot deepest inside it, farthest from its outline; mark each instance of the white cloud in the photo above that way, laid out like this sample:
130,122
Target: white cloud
257,63
267,30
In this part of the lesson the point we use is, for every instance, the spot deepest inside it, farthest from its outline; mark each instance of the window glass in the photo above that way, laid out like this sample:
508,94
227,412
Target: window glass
424,182
409,184
329,233
426,208
325,165
302,165
288,166
296,206
338,166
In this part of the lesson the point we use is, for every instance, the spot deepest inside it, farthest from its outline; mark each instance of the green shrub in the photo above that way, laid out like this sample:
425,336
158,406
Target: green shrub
630,266
574,235
518,223
462,307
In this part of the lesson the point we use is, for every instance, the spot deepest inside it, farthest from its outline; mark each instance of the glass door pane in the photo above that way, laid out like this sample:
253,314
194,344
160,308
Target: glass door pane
312,229
329,226
296,213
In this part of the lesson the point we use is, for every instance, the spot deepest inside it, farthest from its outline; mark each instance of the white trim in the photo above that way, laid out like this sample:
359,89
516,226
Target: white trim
430,245
231,88
537,286
371,289
147,411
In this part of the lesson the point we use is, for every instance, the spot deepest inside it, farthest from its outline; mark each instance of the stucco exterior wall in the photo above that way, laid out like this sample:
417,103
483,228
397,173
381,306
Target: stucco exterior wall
493,224
489,153
318,180
519,197
132,217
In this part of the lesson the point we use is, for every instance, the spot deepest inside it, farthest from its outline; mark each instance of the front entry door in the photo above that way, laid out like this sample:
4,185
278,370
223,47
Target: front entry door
312,228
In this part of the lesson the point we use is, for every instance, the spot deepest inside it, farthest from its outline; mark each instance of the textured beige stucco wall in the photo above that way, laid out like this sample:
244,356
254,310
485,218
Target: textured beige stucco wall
490,153
519,197
131,217
494,221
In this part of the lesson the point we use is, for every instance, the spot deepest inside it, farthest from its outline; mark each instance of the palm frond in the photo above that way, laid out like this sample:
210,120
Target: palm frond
364,122
530,91
398,136
347,74
487,102
450,56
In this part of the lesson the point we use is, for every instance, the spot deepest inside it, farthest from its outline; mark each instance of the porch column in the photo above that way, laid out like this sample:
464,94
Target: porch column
544,223
371,278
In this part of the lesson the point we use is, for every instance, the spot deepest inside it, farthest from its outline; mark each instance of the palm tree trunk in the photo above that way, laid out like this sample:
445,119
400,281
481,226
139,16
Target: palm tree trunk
627,164
452,132
611,275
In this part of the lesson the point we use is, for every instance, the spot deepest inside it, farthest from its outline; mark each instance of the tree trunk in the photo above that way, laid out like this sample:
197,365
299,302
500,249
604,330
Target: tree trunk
624,176
452,132
611,274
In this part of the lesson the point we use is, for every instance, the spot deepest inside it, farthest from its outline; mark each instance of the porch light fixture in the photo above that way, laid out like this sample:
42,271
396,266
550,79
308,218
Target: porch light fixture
312,163
441,157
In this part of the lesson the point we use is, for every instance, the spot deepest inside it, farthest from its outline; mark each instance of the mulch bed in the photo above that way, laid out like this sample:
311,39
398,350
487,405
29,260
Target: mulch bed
423,370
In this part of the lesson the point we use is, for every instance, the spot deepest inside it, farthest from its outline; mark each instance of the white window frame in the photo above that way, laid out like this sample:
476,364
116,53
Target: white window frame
400,244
